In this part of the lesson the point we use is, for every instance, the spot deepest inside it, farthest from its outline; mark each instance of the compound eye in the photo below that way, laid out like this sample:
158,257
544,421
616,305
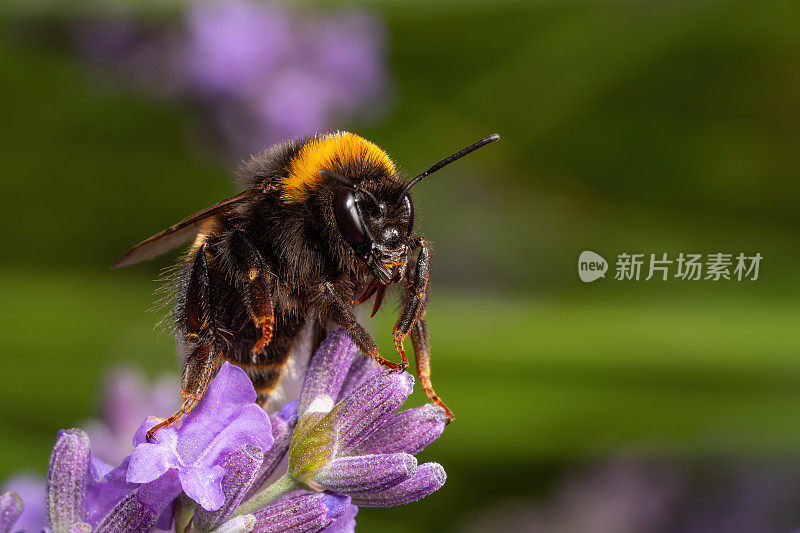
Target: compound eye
347,217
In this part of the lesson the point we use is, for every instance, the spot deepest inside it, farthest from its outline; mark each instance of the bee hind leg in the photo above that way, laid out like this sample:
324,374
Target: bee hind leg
422,355
256,289
201,336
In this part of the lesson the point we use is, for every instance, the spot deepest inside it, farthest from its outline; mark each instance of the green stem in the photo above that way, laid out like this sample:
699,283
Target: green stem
183,513
265,496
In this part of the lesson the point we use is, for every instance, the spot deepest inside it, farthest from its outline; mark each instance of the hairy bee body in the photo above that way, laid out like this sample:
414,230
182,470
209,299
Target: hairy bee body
299,250
322,219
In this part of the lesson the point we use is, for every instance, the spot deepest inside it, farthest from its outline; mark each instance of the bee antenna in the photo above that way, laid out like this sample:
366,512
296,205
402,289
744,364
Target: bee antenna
349,183
446,161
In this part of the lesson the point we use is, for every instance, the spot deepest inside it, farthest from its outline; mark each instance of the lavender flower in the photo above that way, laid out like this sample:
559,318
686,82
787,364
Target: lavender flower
360,446
67,480
306,513
224,432
259,73
241,468
348,440
225,420
229,467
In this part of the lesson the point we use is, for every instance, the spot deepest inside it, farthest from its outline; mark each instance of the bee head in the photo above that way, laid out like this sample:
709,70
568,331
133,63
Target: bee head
376,226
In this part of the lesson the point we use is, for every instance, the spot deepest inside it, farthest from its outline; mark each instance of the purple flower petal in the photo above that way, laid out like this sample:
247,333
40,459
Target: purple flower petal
428,478
249,426
297,101
366,473
230,398
363,369
203,485
241,468
11,506
150,461
141,508
282,423
370,406
328,369
106,492
159,495
225,419
345,523
128,515
67,480
410,431
302,514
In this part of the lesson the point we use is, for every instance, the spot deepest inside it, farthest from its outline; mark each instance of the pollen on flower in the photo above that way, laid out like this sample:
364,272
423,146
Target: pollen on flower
320,404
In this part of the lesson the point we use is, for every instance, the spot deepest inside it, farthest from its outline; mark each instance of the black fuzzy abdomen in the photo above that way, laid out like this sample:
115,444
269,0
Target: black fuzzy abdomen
266,368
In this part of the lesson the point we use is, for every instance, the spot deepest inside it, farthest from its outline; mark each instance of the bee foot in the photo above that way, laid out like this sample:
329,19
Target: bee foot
151,433
258,347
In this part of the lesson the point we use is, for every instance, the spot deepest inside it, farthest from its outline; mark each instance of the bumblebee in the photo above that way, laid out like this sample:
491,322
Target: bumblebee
325,223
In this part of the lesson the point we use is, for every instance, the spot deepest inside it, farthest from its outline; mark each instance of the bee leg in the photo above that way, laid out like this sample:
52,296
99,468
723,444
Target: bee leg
417,299
256,291
201,335
412,321
343,315
422,354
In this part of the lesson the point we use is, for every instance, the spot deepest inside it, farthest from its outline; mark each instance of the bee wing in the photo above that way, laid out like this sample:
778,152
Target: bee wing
176,234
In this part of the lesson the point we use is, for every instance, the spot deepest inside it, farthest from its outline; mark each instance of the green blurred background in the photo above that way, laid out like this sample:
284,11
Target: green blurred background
643,127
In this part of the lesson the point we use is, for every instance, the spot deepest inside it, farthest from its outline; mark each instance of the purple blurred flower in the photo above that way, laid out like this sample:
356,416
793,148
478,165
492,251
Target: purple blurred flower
31,490
126,401
259,73
224,421
230,45
11,506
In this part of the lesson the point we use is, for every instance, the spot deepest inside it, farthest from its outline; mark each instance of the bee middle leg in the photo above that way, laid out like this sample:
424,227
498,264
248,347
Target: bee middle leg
343,315
201,336
256,289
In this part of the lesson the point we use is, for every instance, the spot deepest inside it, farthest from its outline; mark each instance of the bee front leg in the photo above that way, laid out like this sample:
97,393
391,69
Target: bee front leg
201,335
412,321
416,301
341,313
256,288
